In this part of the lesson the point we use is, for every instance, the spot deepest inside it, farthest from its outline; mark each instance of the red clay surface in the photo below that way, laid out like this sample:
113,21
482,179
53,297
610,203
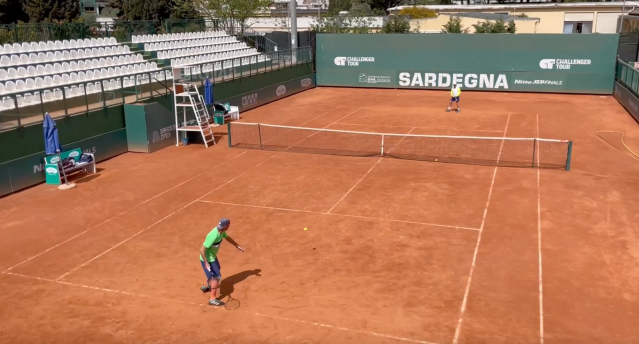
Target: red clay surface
396,251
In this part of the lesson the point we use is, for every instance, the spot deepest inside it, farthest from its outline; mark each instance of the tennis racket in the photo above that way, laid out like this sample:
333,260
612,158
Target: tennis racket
232,304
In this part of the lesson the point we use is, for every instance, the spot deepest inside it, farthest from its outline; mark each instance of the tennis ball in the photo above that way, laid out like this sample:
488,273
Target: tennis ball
436,159
304,228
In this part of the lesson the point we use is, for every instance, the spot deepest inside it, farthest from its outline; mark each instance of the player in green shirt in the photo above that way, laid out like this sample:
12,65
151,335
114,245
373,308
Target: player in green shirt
211,265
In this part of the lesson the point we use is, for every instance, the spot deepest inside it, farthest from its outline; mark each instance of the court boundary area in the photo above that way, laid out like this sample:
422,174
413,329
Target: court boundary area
459,325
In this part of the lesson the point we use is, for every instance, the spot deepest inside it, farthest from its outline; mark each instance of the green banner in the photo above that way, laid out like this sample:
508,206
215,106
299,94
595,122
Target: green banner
28,171
627,100
160,127
259,97
516,63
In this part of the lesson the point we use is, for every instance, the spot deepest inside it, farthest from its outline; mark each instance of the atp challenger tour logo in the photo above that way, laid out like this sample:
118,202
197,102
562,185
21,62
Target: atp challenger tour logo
352,61
562,63
490,81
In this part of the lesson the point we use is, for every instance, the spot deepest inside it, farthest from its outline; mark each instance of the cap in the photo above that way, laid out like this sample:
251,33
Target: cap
224,222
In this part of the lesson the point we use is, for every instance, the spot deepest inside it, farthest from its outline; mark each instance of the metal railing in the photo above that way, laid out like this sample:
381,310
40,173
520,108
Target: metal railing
628,76
258,41
27,107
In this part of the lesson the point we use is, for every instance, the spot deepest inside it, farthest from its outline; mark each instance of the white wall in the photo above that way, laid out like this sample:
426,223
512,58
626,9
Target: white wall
607,22
303,23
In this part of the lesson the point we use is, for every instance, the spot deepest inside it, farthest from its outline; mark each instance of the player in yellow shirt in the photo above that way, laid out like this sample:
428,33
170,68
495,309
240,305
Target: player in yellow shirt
455,92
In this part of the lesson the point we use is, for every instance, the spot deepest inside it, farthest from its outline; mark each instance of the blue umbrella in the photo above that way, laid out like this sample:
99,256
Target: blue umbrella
51,141
208,92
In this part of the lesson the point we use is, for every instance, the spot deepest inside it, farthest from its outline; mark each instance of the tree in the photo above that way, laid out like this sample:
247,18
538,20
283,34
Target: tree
383,4
418,12
11,12
336,6
128,10
360,8
396,24
498,26
454,25
51,10
342,24
232,14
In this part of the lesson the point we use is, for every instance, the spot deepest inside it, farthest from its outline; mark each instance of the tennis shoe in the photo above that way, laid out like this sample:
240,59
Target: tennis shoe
216,302
458,110
447,110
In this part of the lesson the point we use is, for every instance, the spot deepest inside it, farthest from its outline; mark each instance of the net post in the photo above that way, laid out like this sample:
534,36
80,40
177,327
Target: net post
228,127
569,156
382,144
534,152
259,133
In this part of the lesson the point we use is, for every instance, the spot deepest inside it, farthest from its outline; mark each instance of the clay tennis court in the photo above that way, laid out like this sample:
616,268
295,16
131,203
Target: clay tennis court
396,251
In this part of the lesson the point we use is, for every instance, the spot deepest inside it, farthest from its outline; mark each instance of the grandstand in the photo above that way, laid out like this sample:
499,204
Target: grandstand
74,76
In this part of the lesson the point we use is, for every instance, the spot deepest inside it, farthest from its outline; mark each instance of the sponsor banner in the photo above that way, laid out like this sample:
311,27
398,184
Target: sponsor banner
627,100
268,94
160,127
30,170
519,63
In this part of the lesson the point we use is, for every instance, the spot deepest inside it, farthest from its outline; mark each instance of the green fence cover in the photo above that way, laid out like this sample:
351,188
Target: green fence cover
516,63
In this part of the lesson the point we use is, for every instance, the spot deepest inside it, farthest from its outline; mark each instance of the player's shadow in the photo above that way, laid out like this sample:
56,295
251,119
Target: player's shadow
228,283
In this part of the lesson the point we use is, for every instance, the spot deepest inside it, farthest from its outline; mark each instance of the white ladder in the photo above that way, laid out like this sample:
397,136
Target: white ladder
201,114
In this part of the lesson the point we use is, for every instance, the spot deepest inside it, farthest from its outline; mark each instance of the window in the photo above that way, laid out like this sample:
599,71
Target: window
578,27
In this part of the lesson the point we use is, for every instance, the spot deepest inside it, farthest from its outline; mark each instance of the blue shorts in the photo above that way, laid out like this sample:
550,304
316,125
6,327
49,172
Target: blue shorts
454,99
215,269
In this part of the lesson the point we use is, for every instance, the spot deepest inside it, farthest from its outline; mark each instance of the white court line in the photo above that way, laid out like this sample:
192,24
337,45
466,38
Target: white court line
196,304
345,215
122,213
343,328
354,186
541,287
310,120
481,230
164,218
410,126
317,132
400,141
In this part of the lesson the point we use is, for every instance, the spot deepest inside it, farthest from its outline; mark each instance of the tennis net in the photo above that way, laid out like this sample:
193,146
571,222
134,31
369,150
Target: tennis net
490,151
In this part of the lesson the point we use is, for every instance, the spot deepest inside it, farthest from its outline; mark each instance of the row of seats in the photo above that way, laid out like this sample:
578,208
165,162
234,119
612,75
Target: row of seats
73,66
176,36
56,94
201,50
71,78
17,48
203,58
216,66
33,58
188,43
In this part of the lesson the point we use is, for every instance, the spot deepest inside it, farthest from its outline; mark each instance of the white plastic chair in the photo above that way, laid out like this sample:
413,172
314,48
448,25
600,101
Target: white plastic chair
108,51
73,65
126,49
66,78
5,60
57,79
7,49
50,68
32,71
58,56
30,84
48,81
20,85
50,45
100,41
86,43
82,76
41,70
66,55
3,89
50,57
90,75
65,66
74,77
39,82
73,44
24,59
58,45
57,94
22,72
66,44
17,48
113,41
